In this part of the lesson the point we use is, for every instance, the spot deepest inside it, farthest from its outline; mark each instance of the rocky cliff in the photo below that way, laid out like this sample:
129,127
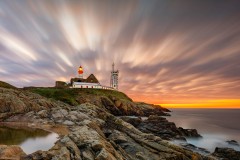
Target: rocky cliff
117,103
91,129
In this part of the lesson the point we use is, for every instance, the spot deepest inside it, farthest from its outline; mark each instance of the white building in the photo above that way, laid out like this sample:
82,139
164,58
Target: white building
90,82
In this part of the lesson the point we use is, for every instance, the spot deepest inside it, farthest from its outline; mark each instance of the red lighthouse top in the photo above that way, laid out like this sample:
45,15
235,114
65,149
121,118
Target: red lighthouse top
80,70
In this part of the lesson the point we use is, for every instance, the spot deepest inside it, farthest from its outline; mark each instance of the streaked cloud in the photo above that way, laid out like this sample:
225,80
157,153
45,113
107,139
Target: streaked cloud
166,51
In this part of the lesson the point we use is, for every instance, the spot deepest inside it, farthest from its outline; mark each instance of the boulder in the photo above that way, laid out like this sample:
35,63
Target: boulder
103,155
117,137
64,112
233,142
57,115
160,126
195,148
226,154
135,121
20,101
11,152
69,123
72,117
82,116
87,155
43,113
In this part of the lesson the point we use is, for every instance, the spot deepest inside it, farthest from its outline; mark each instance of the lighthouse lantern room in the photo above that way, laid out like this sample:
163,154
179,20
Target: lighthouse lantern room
80,72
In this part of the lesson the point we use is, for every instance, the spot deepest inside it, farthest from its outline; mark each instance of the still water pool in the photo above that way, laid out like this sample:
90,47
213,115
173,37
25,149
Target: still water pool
30,140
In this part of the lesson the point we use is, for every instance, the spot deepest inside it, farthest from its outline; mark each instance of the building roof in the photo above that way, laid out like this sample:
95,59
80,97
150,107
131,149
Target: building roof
91,79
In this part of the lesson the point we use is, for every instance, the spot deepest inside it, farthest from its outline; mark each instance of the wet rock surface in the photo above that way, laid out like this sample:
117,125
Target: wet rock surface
161,127
233,142
93,132
226,154
100,135
195,148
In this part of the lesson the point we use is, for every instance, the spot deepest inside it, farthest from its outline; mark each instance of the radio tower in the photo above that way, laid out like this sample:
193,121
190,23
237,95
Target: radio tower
114,78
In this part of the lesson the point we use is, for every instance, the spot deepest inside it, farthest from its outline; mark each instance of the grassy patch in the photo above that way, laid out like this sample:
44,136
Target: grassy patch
70,95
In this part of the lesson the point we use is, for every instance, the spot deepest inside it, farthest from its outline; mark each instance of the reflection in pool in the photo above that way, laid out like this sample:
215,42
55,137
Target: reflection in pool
30,140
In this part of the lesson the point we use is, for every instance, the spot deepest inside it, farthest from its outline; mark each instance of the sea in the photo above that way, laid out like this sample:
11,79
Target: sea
215,125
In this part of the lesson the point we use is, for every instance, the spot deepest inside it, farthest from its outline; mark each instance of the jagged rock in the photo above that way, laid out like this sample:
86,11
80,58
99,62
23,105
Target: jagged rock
30,114
14,102
117,137
141,156
103,155
10,152
82,116
97,134
120,106
72,117
233,142
194,148
72,147
64,112
189,132
87,155
226,154
67,122
43,113
57,115
11,103
73,113
64,149
64,154
161,127
37,156
97,145
135,121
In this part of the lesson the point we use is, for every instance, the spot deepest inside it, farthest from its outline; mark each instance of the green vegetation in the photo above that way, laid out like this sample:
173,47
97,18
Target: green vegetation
70,95
6,85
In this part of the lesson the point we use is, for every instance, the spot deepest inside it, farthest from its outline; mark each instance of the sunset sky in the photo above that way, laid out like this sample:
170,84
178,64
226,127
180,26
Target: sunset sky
168,51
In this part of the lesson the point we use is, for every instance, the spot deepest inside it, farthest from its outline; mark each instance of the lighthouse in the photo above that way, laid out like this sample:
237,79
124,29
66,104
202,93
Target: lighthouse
114,78
90,82
80,72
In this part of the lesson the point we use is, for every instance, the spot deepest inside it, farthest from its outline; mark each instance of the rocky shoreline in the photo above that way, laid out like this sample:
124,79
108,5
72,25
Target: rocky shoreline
91,130
161,127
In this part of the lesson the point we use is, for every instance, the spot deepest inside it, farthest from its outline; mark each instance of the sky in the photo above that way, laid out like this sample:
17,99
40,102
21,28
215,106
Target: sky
167,51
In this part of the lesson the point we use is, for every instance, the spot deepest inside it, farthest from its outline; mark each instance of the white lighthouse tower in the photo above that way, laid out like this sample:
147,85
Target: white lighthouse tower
114,78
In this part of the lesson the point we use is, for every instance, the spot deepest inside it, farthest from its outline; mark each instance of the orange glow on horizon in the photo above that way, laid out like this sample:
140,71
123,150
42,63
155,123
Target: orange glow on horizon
223,103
